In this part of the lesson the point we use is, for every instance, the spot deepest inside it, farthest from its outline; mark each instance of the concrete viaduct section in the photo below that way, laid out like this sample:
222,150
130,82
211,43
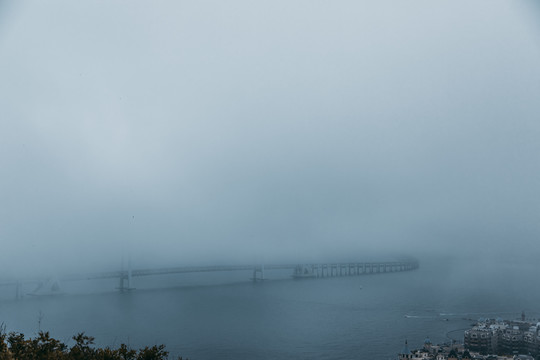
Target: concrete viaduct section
351,269
299,271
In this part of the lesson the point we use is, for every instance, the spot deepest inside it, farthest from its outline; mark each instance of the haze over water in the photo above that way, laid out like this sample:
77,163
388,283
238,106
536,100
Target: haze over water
333,318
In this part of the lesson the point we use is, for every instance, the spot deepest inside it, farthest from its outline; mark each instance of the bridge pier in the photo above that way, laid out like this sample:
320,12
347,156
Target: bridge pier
258,274
125,281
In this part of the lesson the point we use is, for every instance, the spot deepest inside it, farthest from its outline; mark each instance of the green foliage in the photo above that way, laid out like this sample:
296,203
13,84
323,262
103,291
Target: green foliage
153,353
126,353
82,350
44,347
14,346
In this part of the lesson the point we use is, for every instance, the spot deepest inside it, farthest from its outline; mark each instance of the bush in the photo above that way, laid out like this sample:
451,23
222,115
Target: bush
14,346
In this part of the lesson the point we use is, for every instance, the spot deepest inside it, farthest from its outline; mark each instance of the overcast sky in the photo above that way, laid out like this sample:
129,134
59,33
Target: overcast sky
200,132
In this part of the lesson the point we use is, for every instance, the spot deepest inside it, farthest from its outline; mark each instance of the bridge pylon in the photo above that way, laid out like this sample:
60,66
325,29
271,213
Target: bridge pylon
125,279
258,274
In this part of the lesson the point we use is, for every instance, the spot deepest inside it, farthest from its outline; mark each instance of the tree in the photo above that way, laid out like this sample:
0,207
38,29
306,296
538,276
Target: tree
156,352
14,346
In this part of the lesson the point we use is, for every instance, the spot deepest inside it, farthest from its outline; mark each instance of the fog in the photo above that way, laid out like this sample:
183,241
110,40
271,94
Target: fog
211,132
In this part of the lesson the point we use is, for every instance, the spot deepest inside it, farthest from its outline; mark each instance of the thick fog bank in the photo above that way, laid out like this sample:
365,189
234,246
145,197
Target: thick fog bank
197,133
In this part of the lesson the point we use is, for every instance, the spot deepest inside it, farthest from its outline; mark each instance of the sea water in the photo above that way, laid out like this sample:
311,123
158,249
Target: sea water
206,316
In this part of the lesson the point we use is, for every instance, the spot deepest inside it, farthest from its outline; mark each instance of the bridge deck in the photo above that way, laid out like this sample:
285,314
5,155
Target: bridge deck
216,268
